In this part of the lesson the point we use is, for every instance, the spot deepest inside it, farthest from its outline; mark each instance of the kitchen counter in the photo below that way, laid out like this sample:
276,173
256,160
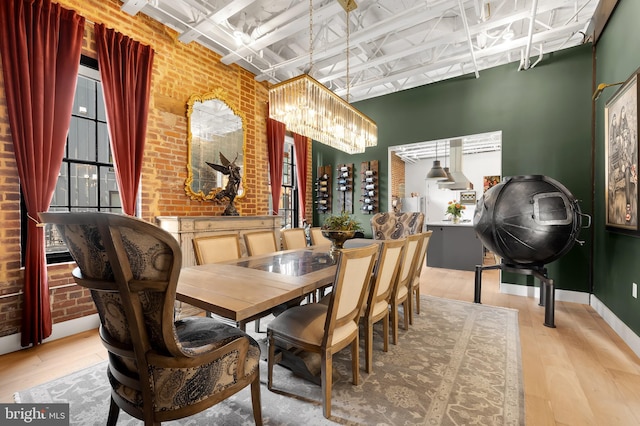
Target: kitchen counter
450,223
454,246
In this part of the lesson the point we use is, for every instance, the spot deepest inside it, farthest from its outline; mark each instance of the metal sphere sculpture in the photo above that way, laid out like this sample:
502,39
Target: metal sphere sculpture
528,220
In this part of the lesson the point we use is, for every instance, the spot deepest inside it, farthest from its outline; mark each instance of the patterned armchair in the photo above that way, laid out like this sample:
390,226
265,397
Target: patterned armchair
159,369
393,225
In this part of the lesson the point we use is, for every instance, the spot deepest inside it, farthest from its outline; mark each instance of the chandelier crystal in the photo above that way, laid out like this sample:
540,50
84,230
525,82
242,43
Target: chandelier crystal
308,108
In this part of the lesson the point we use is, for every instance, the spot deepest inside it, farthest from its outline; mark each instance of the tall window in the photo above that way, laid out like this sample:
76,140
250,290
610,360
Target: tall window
87,180
289,197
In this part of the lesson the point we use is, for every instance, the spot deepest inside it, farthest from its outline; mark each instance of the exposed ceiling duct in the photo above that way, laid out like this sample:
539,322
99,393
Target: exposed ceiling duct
455,168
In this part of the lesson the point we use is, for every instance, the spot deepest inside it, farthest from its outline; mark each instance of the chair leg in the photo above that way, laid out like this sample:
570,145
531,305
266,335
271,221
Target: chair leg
255,400
271,345
394,324
368,346
417,296
326,379
355,360
114,411
257,324
410,300
385,332
407,313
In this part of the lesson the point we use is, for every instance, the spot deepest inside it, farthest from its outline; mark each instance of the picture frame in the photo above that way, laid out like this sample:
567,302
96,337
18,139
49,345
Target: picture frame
621,157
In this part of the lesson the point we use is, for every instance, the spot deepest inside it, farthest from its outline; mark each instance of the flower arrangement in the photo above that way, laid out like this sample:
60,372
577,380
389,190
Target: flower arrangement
455,209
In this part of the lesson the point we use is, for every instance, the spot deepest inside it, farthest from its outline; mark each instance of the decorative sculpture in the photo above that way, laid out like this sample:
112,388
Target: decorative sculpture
234,179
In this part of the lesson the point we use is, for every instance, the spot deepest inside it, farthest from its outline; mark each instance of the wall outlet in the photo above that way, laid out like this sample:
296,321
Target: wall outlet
634,290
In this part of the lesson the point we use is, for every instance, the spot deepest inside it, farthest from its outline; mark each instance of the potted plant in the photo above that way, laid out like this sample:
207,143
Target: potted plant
340,228
455,210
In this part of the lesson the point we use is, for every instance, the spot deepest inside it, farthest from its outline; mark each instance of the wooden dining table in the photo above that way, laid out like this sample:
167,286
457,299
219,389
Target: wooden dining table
244,288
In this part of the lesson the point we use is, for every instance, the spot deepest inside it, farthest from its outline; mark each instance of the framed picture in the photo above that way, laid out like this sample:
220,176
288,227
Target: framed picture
489,181
621,157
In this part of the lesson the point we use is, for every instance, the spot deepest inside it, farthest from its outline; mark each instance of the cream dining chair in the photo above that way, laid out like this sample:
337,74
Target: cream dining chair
264,242
317,239
260,242
414,294
400,296
379,295
326,328
293,238
216,248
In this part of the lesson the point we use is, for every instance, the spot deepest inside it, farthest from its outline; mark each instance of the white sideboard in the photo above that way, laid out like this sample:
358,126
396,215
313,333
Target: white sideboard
185,228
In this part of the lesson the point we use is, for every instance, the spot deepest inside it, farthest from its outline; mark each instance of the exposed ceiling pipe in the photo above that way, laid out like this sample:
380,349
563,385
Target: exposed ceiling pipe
217,17
534,8
469,41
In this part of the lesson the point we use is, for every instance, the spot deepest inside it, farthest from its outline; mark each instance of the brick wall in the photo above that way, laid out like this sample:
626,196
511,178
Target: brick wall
397,176
179,71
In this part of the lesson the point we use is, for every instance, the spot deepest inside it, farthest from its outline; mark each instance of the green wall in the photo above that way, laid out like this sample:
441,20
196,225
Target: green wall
616,264
544,114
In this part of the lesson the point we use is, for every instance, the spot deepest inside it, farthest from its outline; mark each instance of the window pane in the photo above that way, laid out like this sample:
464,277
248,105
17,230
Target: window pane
84,104
84,185
82,139
102,114
109,196
61,194
104,149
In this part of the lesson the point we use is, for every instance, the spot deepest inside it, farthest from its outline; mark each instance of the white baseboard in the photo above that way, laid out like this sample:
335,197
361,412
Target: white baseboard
621,329
11,343
530,291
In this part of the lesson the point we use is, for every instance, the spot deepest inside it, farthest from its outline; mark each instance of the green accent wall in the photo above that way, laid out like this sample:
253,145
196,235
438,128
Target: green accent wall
616,264
544,114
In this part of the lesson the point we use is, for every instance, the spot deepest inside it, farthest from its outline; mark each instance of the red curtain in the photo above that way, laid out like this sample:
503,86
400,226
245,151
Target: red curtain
125,70
275,146
300,146
40,45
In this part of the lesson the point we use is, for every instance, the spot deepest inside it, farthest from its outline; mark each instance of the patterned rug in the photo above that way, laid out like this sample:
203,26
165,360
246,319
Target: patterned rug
459,364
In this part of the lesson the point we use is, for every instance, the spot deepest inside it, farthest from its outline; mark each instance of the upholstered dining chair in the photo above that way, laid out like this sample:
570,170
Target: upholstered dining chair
326,328
293,238
394,225
317,239
400,296
216,248
260,242
379,295
414,293
159,369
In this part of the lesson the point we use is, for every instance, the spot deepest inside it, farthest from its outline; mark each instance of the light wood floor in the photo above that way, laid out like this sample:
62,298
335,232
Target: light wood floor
579,373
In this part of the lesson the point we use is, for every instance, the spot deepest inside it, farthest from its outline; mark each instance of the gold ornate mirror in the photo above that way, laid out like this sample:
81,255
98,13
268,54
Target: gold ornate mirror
214,127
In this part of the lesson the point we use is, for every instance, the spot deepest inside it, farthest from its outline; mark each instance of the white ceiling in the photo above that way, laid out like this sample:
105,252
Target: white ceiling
393,44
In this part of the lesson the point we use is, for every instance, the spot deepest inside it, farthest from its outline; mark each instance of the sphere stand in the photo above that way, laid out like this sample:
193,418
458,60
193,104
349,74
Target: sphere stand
547,288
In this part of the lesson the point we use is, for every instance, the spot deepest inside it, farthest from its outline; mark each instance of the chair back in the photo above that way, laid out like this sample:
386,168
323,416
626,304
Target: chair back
293,238
421,254
353,277
405,277
385,274
317,239
394,225
131,268
216,248
261,242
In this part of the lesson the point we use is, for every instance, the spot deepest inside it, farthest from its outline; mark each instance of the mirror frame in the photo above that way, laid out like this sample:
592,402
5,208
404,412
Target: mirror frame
221,95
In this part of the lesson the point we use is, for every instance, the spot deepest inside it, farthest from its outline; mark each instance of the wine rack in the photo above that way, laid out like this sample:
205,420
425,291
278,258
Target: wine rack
344,188
323,190
370,188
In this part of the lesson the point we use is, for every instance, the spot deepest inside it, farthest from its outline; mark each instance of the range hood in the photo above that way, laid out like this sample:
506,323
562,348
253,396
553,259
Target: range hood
455,156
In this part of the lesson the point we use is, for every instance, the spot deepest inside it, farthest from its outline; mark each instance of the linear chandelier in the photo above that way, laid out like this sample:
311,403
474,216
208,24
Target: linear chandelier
310,109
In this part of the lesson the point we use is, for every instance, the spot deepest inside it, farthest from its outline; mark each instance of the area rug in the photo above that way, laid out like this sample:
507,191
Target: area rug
458,364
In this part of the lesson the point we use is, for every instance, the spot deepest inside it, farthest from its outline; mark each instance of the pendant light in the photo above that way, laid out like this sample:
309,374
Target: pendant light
436,172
